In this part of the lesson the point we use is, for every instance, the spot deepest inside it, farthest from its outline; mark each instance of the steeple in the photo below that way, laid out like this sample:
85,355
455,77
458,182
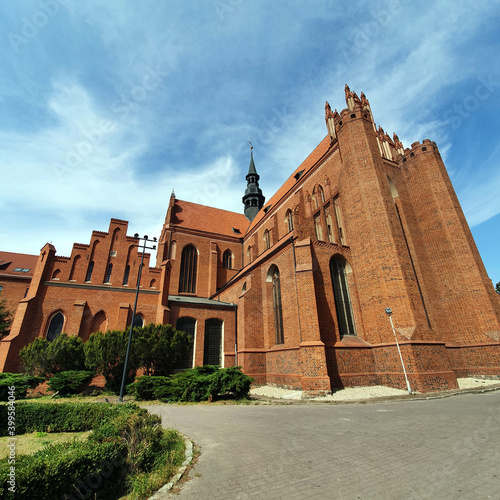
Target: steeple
253,199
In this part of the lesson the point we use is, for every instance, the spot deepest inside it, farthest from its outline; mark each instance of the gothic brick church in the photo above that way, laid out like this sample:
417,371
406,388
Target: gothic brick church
294,290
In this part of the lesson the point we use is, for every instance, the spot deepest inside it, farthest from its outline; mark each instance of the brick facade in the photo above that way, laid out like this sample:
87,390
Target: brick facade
296,296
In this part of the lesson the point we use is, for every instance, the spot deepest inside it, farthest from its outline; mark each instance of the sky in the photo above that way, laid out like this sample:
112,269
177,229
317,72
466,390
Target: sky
107,106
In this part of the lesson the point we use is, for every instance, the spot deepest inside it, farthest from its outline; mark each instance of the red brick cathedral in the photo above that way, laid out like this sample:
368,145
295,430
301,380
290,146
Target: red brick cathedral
294,290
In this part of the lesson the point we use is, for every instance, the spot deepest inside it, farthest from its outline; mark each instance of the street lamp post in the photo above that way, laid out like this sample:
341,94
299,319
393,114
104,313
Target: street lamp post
388,311
124,376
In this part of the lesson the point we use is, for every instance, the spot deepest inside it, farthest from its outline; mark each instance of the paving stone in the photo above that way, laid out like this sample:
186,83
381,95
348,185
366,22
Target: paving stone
435,449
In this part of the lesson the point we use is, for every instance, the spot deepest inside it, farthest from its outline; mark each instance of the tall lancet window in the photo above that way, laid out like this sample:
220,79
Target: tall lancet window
274,277
342,297
189,261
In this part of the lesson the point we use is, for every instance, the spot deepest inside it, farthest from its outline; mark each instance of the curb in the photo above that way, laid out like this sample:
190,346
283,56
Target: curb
381,399
163,492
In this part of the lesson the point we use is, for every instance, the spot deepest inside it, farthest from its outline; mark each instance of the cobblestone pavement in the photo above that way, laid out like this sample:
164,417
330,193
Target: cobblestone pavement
437,449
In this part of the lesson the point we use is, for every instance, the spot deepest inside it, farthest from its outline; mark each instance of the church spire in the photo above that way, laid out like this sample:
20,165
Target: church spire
253,199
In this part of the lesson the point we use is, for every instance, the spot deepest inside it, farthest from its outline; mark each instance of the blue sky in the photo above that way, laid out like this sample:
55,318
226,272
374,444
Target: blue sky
106,106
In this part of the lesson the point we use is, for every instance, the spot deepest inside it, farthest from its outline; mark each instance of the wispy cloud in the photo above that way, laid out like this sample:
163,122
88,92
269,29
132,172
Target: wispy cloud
108,106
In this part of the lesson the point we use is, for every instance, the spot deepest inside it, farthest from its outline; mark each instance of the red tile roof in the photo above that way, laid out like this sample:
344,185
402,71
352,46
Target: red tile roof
208,219
11,260
306,165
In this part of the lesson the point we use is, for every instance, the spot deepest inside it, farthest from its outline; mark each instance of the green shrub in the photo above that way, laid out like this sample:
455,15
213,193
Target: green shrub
45,358
20,381
105,354
160,348
230,380
196,384
143,388
69,382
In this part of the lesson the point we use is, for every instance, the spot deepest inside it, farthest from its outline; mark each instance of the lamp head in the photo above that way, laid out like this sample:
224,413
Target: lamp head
388,311
136,235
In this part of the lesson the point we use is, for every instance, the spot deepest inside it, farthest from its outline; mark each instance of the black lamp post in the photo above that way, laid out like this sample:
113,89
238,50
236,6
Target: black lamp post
124,376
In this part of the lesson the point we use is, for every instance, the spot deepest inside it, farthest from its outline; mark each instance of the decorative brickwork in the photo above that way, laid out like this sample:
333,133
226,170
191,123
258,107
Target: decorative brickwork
296,296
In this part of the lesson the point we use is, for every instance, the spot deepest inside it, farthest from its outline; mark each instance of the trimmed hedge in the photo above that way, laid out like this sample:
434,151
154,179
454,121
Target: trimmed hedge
127,442
63,417
67,470
197,384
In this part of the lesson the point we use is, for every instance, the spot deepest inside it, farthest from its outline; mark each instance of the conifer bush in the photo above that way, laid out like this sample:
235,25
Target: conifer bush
196,384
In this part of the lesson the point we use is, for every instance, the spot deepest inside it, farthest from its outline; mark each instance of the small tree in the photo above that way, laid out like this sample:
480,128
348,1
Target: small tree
105,354
497,287
5,320
45,358
160,348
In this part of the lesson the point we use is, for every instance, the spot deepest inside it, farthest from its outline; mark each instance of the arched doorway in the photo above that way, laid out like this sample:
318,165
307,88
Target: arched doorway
187,325
212,352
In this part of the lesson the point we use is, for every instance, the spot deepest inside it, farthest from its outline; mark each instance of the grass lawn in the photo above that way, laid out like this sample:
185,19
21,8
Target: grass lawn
26,444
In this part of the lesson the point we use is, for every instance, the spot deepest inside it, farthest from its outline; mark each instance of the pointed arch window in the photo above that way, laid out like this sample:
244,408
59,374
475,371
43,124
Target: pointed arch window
289,220
108,274
126,275
227,259
329,224
317,226
267,241
73,267
342,298
189,262
274,277
55,326
90,270
249,255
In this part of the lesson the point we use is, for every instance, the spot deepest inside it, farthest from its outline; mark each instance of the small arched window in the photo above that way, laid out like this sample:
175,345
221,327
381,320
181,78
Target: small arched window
138,321
289,220
55,327
249,255
55,274
187,279
90,269
227,259
107,279
126,275
152,284
267,242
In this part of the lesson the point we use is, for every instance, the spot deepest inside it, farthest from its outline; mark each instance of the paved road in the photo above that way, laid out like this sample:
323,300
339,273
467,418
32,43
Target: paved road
439,449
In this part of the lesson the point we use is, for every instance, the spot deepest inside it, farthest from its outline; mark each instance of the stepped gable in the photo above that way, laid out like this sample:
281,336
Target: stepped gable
306,165
208,219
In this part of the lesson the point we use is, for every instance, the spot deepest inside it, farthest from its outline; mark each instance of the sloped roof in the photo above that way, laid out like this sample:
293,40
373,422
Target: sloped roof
208,219
11,260
305,166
